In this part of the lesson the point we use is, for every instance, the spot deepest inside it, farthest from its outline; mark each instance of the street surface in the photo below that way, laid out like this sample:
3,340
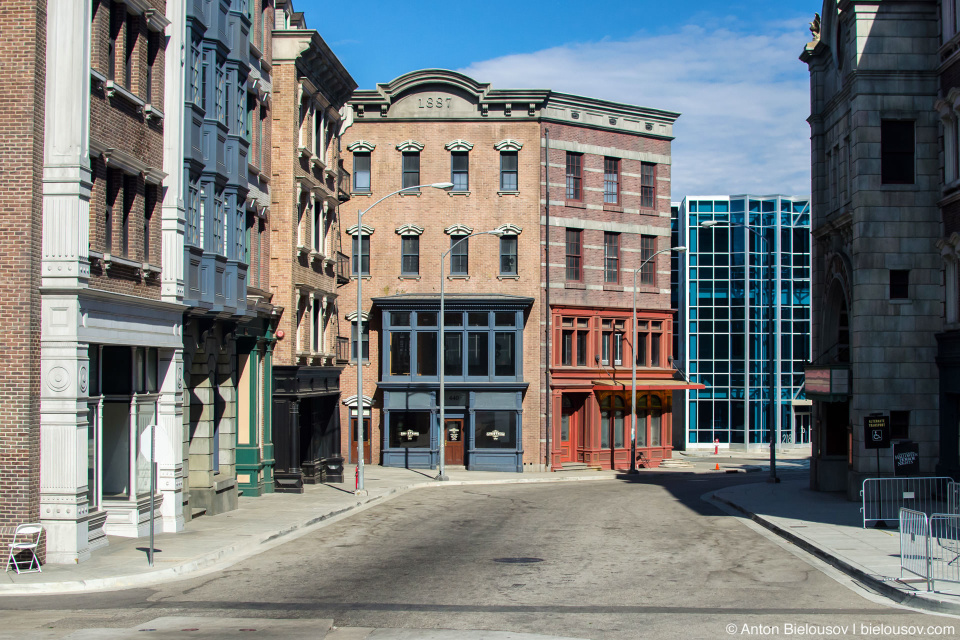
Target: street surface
608,559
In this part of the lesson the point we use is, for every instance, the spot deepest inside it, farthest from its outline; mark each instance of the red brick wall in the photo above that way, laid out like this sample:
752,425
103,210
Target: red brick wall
22,63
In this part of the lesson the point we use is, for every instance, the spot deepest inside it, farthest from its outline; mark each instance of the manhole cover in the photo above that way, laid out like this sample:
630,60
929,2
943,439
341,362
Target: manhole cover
518,560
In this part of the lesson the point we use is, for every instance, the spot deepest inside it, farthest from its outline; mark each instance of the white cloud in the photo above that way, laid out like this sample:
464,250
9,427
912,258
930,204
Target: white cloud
744,98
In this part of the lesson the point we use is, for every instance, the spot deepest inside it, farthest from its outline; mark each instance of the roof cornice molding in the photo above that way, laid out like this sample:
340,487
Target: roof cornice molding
508,144
410,145
459,145
409,230
458,230
361,146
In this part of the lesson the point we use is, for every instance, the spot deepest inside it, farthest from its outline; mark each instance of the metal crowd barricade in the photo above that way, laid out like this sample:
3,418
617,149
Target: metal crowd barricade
944,548
884,497
915,544
953,498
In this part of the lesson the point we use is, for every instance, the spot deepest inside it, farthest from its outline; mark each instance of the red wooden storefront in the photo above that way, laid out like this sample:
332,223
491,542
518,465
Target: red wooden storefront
591,386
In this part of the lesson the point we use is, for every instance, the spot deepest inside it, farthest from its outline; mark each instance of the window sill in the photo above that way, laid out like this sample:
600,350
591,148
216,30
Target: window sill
353,363
574,285
315,161
458,193
302,250
255,51
900,301
508,277
408,277
354,194
458,277
409,193
304,152
508,193
114,89
900,187
363,277
612,287
576,204
613,207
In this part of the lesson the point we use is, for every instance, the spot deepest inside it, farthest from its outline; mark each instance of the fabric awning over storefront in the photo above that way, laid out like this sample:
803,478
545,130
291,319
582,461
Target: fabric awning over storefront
648,384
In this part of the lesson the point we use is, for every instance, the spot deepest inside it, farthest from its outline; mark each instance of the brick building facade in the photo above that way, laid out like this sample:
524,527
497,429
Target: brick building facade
310,86
435,126
24,24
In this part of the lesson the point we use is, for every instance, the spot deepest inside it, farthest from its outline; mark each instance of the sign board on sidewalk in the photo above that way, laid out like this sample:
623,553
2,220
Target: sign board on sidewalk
876,432
906,458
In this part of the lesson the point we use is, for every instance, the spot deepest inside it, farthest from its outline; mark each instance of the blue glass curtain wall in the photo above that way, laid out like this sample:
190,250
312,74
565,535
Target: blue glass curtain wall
724,313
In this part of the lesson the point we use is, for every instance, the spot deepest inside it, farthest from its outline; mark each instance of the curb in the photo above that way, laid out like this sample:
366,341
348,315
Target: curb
237,550
909,599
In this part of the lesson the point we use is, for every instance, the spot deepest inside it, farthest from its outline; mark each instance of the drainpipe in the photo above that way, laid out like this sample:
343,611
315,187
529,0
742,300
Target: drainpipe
546,164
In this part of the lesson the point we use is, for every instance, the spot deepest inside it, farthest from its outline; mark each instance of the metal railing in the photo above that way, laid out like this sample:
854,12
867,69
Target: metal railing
882,498
915,544
944,548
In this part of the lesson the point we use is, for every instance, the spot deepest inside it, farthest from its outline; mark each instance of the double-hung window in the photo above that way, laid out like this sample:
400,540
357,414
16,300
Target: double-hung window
574,176
361,172
130,47
459,255
411,169
110,202
364,342
129,196
460,170
574,254
410,255
647,249
611,257
361,255
897,151
611,181
508,255
508,171
648,182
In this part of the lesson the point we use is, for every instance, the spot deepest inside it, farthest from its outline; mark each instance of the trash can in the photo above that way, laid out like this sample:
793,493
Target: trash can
331,470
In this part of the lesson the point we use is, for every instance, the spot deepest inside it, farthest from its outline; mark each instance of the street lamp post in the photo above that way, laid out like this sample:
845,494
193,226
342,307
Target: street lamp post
771,345
441,475
359,266
633,366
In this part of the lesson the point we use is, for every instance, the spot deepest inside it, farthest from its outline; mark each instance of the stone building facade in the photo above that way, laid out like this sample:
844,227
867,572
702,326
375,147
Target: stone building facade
877,270
435,126
310,87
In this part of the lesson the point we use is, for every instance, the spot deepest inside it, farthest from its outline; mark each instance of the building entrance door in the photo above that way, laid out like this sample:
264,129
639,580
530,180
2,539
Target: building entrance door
366,440
453,447
571,427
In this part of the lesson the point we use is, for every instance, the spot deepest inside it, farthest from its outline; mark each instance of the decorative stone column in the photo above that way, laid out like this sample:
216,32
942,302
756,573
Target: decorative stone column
170,473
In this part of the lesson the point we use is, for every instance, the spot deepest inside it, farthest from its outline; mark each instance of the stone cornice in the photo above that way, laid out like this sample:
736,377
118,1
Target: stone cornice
410,145
508,144
316,61
364,230
509,229
458,230
361,146
409,230
352,316
458,145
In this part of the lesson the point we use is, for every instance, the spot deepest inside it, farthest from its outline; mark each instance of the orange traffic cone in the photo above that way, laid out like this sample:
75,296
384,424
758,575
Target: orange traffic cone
717,468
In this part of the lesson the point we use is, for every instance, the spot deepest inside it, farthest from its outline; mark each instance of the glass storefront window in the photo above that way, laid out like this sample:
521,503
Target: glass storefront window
477,356
410,429
399,353
495,429
427,353
453,354
504,354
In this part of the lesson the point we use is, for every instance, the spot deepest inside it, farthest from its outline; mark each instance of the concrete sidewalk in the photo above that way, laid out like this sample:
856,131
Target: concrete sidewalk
211,542
831,528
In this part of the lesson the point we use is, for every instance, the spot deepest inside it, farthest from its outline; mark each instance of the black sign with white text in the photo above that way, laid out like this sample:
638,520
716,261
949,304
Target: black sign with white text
906,458
876,432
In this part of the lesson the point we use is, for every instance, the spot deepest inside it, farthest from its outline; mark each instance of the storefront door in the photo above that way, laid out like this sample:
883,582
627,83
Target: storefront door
366,440
571,427
453,447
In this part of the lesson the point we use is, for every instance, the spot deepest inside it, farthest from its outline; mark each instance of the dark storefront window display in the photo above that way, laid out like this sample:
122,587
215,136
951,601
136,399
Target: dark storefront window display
409,429
477,356
612,412
426,353
453,354
495,429
399,353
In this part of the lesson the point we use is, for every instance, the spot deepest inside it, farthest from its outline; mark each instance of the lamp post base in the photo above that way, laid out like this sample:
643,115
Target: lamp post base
360,493
442,477
633,472
773,480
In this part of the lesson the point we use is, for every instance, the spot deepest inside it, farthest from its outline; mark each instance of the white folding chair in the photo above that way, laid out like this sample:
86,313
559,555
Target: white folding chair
25,539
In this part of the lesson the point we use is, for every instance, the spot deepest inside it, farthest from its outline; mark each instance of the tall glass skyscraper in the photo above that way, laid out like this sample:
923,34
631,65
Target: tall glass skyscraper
722,299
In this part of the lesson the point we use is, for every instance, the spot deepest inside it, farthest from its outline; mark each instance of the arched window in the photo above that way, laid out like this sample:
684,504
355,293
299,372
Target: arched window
655,413
612,410
641,421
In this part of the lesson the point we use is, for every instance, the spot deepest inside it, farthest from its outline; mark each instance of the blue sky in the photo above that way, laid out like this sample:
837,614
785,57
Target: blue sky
730,68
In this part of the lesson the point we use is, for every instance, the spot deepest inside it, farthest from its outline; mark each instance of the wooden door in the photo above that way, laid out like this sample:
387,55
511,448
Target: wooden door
366,440
568,430
453,446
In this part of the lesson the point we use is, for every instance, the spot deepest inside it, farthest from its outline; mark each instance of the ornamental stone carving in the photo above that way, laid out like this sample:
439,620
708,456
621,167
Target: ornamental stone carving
410,145
409,230
58,379
508,144
362,146
458,230
459,145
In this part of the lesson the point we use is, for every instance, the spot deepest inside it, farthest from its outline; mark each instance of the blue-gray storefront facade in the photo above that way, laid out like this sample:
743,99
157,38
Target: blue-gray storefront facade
484,387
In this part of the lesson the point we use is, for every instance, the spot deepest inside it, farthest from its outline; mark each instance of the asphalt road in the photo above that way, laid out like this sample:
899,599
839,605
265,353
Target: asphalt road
599,560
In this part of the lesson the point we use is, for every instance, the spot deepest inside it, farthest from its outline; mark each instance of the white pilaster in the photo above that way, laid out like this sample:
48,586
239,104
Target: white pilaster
174,208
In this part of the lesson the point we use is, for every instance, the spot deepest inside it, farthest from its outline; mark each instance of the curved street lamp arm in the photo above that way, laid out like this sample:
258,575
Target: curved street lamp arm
476,233
416,187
